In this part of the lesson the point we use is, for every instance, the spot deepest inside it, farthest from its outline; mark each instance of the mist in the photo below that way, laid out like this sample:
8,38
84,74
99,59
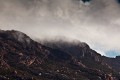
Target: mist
96,22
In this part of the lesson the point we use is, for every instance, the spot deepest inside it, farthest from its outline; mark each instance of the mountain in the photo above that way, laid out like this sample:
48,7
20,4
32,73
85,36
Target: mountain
21,58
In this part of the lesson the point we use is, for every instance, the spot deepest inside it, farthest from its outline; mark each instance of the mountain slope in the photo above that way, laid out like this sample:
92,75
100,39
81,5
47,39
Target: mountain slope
90,58
24,59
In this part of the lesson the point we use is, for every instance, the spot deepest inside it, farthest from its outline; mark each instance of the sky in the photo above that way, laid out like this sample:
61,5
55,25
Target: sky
96,22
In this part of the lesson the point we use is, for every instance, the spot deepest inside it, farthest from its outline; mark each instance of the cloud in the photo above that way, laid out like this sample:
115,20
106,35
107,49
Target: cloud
96,23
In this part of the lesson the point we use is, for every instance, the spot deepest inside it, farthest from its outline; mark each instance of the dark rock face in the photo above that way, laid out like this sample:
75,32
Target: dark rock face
22,58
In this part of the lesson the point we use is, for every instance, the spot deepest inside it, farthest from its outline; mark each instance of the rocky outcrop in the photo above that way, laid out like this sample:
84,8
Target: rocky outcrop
21,58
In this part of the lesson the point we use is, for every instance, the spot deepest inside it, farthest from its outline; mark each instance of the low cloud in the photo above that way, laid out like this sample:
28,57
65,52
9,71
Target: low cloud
96,23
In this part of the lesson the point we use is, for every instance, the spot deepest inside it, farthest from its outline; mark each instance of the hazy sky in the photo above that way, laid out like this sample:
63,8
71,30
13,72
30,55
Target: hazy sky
96,22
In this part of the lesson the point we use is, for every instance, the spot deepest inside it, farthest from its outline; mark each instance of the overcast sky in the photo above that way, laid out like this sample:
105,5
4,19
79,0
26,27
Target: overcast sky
96,22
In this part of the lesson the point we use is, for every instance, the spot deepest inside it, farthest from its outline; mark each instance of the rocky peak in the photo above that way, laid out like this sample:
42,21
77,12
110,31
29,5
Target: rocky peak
75,48
49,61
16,35
64,43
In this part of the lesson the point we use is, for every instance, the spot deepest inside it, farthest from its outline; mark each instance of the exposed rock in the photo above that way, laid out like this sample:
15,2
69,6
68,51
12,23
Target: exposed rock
21,58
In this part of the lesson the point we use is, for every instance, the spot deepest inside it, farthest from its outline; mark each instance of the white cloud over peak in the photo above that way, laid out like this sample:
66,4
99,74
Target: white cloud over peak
96,23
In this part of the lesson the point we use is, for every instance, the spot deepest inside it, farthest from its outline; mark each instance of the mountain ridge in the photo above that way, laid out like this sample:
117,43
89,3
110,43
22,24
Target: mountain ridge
24,59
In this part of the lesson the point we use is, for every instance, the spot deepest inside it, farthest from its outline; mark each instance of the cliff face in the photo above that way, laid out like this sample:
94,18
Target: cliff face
24,59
